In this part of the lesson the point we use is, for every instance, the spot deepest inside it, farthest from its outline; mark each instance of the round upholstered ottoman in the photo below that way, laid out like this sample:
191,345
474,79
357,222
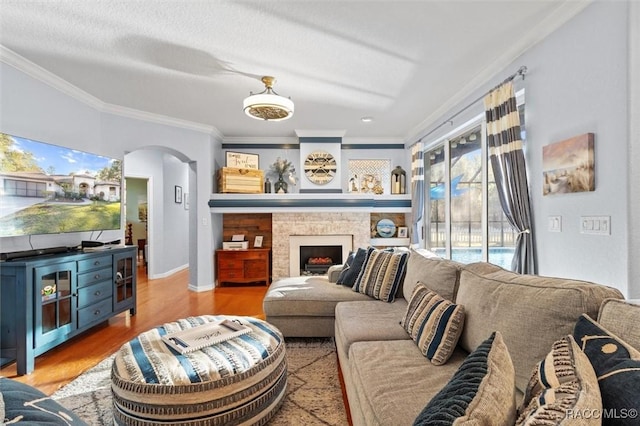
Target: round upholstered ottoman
236,382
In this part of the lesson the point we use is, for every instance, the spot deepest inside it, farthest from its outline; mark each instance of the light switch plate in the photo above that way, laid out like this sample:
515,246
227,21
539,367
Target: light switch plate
598,225
555,224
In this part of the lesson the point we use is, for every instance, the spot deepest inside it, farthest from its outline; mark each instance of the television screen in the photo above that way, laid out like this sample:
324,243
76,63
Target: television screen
49,189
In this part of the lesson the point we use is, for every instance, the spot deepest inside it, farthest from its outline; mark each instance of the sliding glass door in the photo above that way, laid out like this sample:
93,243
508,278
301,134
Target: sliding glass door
465,220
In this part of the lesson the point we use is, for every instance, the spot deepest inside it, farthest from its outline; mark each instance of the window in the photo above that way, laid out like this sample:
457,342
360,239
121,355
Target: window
466,222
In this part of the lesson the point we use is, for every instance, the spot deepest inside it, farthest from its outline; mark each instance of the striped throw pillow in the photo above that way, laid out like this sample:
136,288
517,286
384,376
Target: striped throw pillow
434,323
561,383
381,274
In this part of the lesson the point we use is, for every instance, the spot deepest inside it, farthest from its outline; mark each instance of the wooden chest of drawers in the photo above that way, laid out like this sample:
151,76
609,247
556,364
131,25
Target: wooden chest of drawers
243,266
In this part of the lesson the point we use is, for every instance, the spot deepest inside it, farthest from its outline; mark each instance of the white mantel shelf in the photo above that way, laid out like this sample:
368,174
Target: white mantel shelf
291,203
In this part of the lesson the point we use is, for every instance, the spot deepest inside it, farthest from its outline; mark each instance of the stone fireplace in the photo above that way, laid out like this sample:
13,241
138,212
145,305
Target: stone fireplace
295,230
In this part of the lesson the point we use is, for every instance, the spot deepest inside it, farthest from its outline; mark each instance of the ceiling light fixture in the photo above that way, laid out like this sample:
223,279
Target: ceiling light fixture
366,119
268,105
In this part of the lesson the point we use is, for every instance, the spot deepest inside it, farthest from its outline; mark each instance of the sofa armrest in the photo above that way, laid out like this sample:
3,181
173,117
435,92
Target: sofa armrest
334,272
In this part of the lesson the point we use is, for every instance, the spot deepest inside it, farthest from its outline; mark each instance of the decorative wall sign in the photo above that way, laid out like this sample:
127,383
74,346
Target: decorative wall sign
568,166
242,160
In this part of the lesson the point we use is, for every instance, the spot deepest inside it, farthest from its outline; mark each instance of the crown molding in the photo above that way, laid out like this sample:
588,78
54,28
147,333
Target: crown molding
137,114
35,71
320,133
564,12
260,140
377,140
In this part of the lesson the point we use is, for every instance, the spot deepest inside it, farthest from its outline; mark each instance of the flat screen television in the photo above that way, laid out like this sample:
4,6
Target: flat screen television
50,189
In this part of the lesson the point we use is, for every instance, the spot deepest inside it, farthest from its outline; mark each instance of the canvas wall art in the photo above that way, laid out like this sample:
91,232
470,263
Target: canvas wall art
568,166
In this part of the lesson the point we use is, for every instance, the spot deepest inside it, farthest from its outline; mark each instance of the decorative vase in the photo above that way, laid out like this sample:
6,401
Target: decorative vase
280,187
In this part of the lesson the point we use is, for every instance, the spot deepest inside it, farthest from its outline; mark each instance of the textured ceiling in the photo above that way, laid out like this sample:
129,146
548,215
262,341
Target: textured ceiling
400,62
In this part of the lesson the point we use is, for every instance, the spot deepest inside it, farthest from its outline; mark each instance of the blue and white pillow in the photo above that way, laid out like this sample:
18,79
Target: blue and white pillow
382,273
617,367
434,323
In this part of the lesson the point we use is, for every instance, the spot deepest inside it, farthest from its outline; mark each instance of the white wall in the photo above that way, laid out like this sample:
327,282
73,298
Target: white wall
577,83
634,155
32,109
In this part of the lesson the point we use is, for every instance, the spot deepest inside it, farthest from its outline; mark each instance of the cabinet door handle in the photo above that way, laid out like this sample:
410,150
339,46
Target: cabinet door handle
96,313
97,293
96,276
96,263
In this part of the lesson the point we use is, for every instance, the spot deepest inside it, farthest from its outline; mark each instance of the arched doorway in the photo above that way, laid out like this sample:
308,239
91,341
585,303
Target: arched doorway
170,225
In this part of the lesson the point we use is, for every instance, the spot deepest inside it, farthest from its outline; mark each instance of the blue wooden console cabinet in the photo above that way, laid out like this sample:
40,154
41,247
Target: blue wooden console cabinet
48,299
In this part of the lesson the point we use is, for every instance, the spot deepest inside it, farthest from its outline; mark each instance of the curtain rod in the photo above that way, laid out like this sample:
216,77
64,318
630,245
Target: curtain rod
522,71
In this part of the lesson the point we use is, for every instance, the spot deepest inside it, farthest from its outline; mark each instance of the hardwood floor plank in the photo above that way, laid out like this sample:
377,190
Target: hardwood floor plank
158,301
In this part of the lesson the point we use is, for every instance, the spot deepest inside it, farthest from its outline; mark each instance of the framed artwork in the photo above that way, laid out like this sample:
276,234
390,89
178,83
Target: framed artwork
178,194
257,243
568,166
242,160
403,232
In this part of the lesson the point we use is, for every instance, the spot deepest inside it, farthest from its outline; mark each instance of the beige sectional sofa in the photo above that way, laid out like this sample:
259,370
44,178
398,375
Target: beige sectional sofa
387,378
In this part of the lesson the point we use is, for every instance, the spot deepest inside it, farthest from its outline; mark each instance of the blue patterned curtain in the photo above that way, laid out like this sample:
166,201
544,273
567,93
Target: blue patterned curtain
509,169
417,191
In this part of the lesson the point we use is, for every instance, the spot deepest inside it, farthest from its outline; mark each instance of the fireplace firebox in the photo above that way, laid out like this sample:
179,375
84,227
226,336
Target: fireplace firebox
316,260
314,254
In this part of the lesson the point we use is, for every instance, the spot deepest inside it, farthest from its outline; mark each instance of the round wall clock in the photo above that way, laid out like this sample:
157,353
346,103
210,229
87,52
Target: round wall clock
320,167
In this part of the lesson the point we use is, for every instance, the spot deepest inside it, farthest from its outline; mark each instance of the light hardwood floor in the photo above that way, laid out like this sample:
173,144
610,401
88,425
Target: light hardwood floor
159,301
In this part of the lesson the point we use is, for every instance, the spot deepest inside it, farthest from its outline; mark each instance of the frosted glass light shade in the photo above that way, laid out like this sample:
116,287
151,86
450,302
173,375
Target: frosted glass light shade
268,106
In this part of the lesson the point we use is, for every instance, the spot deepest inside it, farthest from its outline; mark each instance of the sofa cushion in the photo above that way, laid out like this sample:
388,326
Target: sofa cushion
481,392
617,366
381,274
531,312
306,296
621,318
26,405
433,323
352,268
562,383
334,272
368,321
393,381
439,275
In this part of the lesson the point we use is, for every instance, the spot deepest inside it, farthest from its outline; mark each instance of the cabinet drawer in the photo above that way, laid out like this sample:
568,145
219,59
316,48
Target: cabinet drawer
94,293
256,255
92,277
96,312
94,263
232,274
230,264
230,255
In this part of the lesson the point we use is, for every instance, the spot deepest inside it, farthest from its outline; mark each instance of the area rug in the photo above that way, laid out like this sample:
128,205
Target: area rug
313,393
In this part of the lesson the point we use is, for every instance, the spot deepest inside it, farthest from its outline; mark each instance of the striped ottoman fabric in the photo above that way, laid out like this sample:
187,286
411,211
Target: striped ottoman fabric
237,382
